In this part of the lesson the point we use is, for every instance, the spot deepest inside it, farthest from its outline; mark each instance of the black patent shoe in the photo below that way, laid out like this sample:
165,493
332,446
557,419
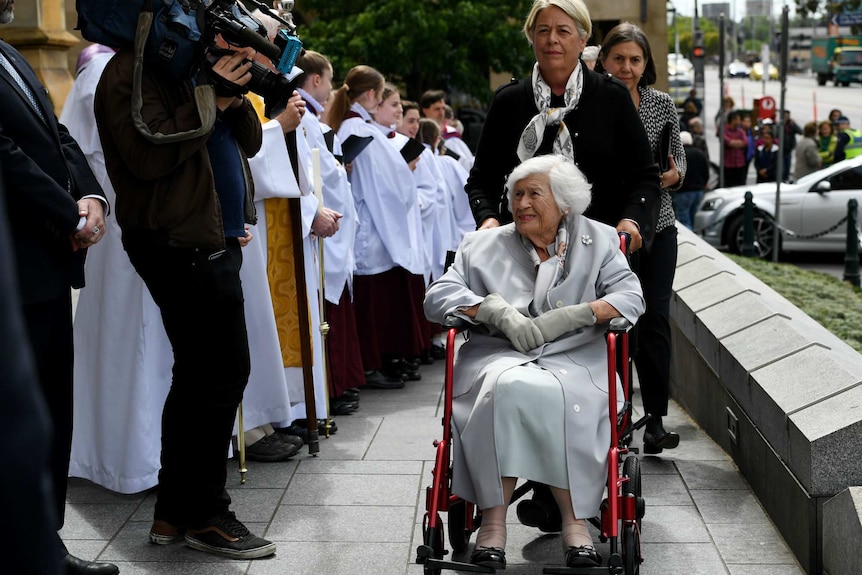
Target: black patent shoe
493,557
583,556
74,566
656,439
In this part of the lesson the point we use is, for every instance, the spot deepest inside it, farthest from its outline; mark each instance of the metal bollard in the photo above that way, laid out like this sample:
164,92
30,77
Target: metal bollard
748,226
851,256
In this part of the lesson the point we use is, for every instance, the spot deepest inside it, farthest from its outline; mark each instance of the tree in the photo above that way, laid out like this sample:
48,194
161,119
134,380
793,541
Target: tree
447,44
825,8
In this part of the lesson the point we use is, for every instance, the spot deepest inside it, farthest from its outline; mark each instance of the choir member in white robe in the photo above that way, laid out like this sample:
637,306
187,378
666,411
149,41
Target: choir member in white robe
273,175
344,359
384,193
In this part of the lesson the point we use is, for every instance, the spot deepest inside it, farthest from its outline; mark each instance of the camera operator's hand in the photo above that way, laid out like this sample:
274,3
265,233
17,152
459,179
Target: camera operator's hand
233,68
292,114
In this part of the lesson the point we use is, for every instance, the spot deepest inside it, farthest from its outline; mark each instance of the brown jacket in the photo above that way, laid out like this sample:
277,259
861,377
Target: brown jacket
166,191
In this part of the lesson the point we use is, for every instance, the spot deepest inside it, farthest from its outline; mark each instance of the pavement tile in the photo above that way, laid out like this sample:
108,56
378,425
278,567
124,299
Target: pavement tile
334,559
681,559
342,523
793,569
673,524
664,490
95,520
397,490
352,439
406,440
711,475
751,544
732,506
347,467
261,475
255,505
166,568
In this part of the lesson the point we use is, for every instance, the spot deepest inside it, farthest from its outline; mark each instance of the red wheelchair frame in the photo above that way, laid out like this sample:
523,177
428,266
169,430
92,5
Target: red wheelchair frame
621,511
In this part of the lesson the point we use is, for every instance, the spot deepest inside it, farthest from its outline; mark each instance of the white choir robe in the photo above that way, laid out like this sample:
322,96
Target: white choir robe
338,257
460,147
123,358
456,178
421,214
273,178
383,192
442,219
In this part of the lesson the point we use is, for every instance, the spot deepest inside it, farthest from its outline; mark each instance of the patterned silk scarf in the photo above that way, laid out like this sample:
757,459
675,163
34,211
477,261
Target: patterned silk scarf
534,133
549,273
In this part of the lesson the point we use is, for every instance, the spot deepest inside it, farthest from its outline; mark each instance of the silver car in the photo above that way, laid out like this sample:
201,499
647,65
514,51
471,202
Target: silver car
811,213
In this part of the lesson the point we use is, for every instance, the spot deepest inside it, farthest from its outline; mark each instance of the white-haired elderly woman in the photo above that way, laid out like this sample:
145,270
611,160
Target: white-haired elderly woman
530,395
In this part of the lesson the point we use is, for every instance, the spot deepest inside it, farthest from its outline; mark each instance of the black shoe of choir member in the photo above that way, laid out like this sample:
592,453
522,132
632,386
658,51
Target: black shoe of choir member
438,351
74,566
412,373
412,362
376,380
426,358
299,428
351,394
340,406
393,369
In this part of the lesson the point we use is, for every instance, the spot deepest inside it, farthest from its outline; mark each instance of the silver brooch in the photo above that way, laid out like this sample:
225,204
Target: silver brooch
587,240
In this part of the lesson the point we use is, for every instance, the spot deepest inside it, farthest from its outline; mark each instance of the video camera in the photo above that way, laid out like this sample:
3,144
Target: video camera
238,27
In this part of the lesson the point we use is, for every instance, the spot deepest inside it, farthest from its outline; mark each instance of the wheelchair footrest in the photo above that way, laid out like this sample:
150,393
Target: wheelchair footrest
458,566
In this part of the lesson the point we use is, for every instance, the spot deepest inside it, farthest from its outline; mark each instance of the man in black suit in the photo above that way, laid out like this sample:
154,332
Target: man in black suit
24,492
56,210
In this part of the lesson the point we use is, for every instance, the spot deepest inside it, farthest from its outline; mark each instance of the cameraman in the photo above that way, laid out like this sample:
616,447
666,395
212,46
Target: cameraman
182,207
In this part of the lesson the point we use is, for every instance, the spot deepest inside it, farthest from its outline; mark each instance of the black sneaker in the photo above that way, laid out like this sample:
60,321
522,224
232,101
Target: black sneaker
225,535
271,448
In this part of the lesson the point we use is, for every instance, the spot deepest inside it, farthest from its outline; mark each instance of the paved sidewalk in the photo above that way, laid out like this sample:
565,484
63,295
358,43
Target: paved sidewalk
357,508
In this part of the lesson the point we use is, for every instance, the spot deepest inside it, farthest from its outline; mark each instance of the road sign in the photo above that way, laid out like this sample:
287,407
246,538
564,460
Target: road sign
766,107
848,19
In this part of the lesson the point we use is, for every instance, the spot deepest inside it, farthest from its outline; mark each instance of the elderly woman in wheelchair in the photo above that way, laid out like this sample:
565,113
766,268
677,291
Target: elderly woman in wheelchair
530,395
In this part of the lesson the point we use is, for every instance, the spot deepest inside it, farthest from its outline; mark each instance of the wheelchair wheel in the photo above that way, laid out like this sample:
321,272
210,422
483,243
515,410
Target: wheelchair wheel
632,470
631,550
459,535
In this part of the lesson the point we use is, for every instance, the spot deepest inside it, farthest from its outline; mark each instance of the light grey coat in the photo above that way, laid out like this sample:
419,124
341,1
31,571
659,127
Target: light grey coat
497,261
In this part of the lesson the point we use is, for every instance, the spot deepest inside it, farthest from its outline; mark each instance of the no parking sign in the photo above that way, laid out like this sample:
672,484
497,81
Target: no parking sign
765,107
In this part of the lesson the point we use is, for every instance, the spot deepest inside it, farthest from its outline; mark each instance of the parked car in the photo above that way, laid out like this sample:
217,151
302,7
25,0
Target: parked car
680,64
757,71
738,69
679,86
814,204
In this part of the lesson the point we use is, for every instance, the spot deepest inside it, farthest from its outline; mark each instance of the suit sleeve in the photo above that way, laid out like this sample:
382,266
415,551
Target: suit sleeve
41,197
84,182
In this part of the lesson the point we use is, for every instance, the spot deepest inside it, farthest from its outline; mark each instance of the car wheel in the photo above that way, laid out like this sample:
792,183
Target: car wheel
764,232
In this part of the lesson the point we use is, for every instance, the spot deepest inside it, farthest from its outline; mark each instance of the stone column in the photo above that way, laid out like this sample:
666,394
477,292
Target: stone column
39,33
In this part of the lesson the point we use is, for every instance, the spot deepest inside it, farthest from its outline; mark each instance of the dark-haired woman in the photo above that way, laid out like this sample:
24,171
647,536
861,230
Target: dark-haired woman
626,55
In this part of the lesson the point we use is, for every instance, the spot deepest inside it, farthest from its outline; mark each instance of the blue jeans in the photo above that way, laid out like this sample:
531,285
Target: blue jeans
685,205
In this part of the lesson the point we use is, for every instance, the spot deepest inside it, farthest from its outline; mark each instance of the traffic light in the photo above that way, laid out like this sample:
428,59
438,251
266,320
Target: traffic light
698,51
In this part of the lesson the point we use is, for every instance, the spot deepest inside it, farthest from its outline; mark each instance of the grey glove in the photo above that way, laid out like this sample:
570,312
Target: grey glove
520,330
556,322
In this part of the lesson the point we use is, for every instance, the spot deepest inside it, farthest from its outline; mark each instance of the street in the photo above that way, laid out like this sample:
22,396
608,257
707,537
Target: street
801,97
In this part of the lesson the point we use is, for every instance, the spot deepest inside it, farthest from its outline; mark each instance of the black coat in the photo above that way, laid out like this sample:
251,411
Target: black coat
45,173
611,148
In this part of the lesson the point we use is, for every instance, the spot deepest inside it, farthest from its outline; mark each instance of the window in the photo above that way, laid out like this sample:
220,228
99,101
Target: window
847,180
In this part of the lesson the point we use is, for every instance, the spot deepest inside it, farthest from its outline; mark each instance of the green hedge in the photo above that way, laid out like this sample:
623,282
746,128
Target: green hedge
836,305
